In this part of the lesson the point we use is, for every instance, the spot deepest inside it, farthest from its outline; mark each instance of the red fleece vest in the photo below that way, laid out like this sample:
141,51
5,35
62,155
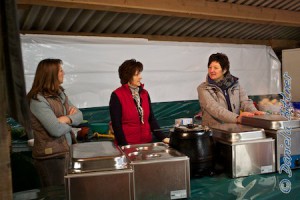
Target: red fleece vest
135,132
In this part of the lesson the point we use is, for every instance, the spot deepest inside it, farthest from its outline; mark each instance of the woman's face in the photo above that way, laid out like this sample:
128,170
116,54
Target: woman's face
136,79
215,71
61,74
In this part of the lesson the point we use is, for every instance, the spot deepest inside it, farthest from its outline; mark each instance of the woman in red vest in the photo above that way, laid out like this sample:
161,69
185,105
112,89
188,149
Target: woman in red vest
131,114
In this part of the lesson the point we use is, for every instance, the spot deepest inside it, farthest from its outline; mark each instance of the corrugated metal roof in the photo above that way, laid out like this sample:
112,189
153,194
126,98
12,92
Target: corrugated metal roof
62,20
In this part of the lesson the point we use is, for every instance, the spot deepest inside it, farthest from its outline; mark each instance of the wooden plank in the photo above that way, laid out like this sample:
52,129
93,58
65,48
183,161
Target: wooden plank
5,140
183,8
5,172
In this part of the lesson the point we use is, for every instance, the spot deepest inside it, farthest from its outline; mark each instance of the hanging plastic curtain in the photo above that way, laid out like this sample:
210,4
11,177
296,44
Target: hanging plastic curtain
12,72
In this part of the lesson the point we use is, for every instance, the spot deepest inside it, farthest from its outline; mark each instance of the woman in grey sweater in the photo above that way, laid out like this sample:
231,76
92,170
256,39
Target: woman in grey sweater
52,116
221,97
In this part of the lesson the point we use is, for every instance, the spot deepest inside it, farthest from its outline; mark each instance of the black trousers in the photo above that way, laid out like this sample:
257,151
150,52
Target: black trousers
52,170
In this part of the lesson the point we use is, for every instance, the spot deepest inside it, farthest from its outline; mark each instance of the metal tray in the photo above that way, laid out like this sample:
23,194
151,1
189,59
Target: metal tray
273,122
160,172
150,152
236,132
96,156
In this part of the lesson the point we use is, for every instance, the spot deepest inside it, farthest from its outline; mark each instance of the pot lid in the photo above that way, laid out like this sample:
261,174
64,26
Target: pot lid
236,132
273,122
97,156
191,128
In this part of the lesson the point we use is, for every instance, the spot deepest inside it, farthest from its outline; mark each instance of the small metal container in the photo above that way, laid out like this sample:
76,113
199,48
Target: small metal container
160,172
96,170
243,150
286,134
237,133
96,156
272,122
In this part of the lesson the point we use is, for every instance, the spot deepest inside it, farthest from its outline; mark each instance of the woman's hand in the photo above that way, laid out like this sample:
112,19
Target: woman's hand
64,120
246,114
259,113
166,140
72,110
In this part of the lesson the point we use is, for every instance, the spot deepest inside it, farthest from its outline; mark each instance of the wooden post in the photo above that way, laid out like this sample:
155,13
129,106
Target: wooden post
5,138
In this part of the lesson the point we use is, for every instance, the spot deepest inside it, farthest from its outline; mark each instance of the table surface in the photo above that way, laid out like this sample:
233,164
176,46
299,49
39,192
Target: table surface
217,187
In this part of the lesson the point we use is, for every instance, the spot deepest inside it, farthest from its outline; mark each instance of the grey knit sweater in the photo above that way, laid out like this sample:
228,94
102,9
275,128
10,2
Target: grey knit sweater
42,111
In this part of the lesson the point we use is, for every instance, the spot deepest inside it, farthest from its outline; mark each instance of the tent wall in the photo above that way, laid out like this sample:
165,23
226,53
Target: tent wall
172,70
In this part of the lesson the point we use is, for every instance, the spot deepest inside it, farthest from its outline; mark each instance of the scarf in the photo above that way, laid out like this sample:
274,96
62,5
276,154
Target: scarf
136,96
225,83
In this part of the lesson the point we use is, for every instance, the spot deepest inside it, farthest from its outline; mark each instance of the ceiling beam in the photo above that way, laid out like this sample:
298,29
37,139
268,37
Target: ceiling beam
183,8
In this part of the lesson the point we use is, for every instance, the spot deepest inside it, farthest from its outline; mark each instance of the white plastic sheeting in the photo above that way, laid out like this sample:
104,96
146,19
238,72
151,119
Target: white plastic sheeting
172,70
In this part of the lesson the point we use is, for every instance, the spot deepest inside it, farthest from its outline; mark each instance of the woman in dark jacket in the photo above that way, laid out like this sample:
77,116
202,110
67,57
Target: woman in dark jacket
133,121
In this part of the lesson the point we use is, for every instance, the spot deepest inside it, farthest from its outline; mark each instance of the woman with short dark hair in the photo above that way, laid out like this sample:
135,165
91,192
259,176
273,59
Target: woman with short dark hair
132,118
221,97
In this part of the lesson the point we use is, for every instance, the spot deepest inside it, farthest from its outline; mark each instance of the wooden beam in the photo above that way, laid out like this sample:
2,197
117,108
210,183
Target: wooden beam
183,8
5,164
275,44
279,45
5,138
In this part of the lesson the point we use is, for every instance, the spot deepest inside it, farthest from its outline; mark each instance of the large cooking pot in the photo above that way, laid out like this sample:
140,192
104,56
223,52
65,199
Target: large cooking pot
196,142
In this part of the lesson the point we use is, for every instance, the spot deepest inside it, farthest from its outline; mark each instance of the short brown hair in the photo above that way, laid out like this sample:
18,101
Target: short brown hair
222,59
128,69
